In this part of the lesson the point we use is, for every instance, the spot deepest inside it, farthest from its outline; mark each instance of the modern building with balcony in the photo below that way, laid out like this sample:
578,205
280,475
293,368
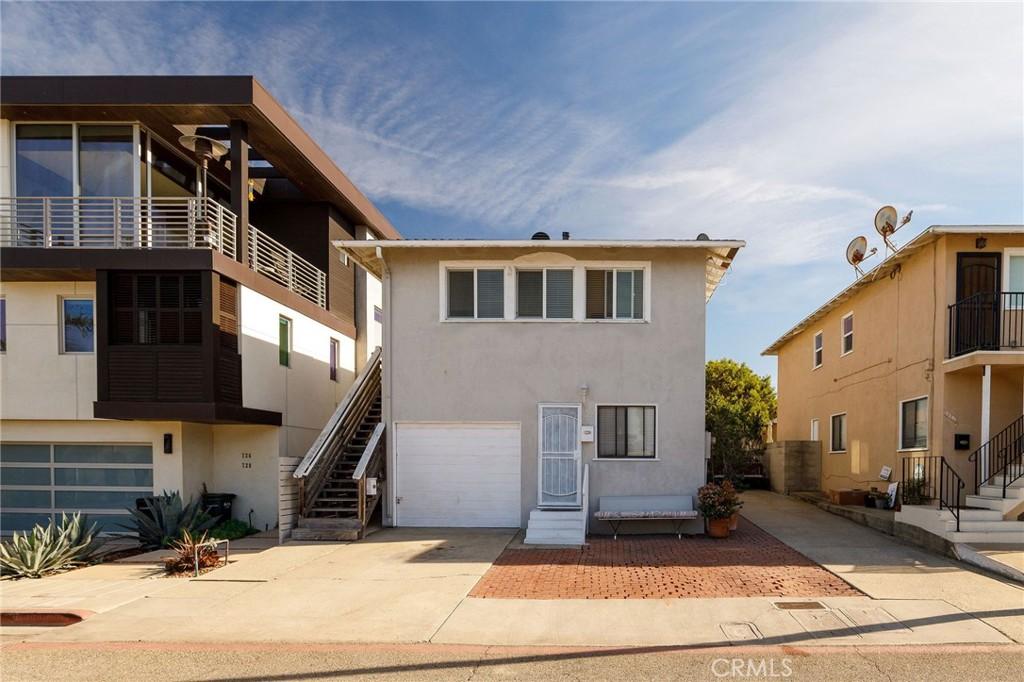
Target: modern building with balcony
917,368
173,315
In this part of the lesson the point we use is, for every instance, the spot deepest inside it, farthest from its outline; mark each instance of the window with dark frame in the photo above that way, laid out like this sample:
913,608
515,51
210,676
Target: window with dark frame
160,308
837,436
914,424
335,354
626,431
78,321
284,341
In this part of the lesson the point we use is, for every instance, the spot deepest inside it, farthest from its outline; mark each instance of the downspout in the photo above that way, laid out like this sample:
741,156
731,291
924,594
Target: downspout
390,509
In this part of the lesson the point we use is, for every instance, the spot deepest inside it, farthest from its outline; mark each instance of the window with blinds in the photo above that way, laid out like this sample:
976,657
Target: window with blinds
626,431
476,294
615,294
544,294
156,309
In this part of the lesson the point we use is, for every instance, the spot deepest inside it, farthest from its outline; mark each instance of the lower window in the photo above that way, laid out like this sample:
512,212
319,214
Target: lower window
38,481
838,436
627,431
914,424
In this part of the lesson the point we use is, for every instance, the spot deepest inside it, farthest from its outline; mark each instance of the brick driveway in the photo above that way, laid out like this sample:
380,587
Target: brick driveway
750,563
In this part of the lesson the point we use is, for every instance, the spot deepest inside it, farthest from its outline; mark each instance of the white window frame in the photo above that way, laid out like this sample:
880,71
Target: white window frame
543,293
551,261
815,349
815,429
1009,252
846,433
657,434
842,335
60,325
927,425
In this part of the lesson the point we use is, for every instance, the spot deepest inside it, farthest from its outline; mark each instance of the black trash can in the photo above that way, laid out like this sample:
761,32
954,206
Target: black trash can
218,505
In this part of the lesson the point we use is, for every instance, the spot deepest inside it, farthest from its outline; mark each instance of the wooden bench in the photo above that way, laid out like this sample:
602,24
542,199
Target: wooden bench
616,509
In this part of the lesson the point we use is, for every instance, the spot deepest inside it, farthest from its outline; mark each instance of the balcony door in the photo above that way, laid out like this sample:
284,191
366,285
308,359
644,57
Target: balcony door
977,313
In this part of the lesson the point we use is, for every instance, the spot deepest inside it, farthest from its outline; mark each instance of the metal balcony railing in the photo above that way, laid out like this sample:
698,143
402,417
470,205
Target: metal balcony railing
987,322
269,257
152,223
117,223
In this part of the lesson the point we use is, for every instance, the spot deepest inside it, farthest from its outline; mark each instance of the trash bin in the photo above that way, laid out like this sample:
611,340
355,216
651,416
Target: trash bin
218,505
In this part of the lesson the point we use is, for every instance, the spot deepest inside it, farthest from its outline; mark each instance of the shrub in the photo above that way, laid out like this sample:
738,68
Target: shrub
232,529
164,519
55,547
187,550
718,501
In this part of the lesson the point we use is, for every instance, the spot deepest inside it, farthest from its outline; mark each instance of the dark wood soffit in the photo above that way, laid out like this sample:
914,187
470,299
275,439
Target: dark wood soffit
260,284
207,413
160,102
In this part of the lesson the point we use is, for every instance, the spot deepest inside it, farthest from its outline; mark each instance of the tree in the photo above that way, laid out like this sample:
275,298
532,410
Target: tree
739,406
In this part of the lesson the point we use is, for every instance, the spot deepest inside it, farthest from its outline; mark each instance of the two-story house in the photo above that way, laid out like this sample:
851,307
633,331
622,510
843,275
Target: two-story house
173,315
524,379
917,367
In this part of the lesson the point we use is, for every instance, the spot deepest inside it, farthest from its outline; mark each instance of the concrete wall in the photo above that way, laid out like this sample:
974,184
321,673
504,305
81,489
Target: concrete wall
794,465
37,381
500,370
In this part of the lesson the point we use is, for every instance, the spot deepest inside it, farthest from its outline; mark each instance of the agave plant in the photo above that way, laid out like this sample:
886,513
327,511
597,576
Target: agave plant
57,546
192,552
164,518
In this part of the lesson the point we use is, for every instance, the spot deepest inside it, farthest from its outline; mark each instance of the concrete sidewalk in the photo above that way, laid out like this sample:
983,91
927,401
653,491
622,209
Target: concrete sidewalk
884,568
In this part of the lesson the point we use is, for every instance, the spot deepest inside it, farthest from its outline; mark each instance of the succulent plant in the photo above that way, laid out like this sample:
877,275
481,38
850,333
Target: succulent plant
57,546
164,518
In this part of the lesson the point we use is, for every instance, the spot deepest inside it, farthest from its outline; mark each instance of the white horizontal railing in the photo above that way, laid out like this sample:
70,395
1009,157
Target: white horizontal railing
269,257
117,223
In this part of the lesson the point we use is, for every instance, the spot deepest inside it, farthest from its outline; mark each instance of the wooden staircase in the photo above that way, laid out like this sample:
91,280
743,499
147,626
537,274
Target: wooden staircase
341,477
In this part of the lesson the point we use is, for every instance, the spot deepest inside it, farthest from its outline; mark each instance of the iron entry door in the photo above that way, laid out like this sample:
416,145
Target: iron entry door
977,310
559,456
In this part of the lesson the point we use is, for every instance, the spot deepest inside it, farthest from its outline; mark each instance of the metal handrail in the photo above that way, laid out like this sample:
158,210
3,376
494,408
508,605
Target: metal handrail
586,500
1001,455
273,259
930,477
117,223
989,321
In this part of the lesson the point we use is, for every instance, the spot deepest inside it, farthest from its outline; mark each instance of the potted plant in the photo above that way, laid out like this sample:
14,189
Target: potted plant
729,491
717,505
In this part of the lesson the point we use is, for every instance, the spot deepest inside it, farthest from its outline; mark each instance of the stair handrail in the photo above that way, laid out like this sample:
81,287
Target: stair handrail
368,452
371,465
1000,461
950,487
586,500
314,469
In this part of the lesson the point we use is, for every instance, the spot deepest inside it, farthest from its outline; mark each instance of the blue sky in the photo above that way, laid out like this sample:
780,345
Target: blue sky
786,125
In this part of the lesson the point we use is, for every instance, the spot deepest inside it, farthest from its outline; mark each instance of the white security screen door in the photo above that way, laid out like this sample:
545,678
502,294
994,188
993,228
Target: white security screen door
559,456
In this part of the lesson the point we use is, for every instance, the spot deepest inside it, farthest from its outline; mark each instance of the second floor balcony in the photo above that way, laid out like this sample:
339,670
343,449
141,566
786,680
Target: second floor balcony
153,223
987,322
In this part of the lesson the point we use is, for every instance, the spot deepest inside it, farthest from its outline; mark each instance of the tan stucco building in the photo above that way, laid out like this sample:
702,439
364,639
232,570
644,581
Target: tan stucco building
921,357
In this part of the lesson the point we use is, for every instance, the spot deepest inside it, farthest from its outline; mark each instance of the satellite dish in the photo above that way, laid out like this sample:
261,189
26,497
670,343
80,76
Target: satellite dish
887,222
857,252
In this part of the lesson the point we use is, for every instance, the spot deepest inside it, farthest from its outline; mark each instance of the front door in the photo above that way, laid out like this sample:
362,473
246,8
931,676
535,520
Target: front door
977,296
559,436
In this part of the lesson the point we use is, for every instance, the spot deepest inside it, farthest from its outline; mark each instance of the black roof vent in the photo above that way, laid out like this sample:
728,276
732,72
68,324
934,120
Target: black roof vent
703,237
540,235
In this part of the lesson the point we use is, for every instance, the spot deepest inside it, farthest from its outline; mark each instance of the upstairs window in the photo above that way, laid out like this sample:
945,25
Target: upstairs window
156,309
615,294
914,424
77,325
819,349
847,329
476,294
335,355
284,341
544,294
1013,278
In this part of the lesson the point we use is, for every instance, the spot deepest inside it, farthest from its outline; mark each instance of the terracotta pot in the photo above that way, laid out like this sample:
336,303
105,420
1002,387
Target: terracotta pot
734,521
718,528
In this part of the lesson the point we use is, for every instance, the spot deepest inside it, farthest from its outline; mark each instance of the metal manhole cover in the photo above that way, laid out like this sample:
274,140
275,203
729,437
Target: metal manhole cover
799,605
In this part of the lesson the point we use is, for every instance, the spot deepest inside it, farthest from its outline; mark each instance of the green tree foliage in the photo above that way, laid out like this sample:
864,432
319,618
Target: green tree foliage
739,406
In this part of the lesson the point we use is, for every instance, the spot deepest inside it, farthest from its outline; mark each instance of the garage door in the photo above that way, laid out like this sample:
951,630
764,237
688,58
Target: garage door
40,480
458,474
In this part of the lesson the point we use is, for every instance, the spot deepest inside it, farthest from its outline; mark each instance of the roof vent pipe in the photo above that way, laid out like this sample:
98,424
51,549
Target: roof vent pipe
540,235
565,236
703,237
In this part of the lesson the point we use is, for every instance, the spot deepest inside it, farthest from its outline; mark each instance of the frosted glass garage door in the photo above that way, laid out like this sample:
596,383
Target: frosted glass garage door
40,480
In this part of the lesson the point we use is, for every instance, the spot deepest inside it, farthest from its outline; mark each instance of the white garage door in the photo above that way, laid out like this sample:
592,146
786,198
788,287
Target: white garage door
458,474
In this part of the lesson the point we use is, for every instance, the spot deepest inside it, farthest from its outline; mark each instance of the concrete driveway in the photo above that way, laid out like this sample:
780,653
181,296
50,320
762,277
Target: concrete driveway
397,585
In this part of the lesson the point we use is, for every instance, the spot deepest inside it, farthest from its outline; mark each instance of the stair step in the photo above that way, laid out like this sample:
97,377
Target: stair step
997,491
328,523
995,503
970,537
1001,527
324,535
553,538
973,515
